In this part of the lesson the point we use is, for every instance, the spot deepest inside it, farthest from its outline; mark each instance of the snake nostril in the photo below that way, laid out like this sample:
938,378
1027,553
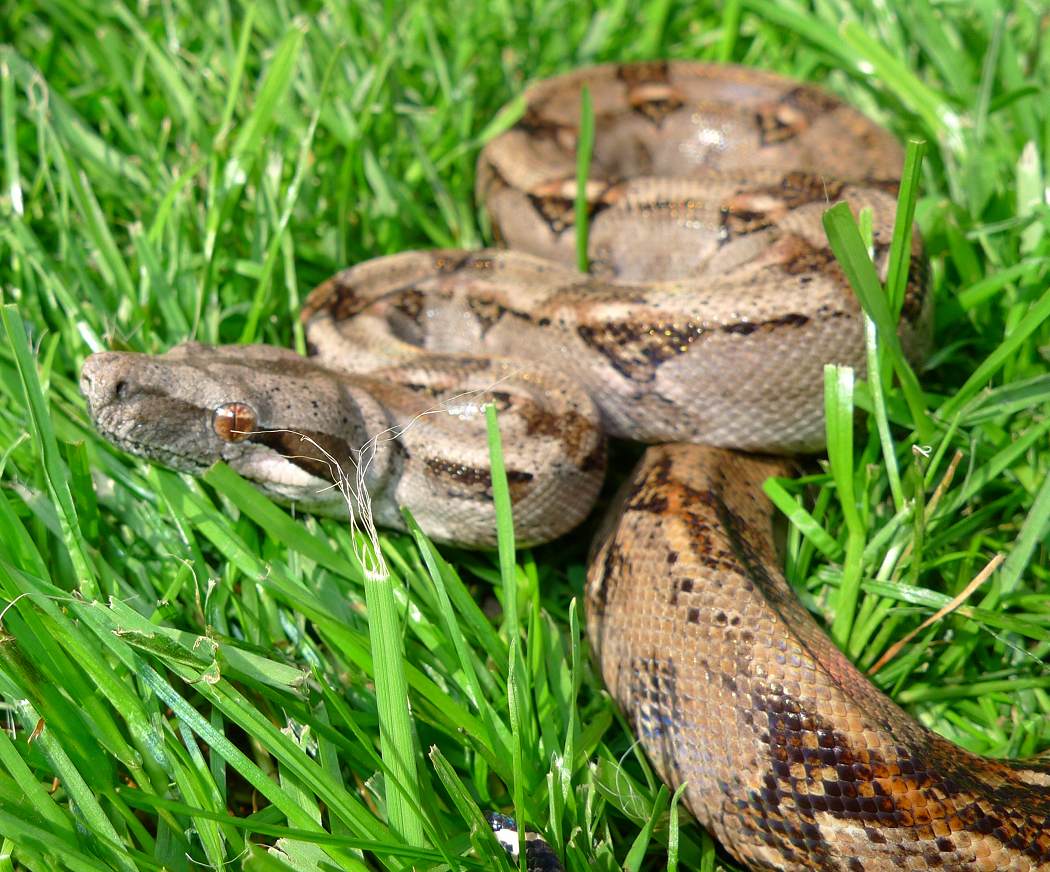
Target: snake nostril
120,390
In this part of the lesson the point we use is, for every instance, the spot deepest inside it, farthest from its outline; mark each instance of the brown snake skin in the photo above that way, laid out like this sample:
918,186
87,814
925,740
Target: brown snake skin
793,759
712,305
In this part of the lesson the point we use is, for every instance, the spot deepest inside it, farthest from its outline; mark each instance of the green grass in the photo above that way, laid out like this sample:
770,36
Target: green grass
186,671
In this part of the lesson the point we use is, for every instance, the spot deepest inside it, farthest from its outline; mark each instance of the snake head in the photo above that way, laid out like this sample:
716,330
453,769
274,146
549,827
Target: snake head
279,420
152,407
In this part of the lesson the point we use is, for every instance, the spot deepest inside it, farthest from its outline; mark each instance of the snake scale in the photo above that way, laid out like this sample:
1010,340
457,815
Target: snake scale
710,308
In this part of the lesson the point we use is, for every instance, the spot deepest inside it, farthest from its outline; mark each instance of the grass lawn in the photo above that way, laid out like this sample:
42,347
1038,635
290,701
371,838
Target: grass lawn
186,671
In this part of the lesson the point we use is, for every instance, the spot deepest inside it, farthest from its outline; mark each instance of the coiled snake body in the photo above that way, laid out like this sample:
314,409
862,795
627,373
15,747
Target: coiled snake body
711,307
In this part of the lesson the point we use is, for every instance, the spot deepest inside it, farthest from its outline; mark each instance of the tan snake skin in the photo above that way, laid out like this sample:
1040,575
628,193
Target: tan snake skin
794,760
712,305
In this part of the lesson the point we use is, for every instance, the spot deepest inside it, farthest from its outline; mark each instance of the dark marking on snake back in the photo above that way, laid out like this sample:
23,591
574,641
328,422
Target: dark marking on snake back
559,213
798,188
798,256
650,72
474,482
409,302
917,288
489,312
737,220
784,119
746,328
336,296
649,90
541,127
603,587
815,768
647,501
636,351
761,207
679,584
657,715
447,262
582,444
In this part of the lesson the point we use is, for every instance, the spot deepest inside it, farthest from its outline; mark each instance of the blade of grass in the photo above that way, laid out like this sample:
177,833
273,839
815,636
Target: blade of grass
878,410
730,30
80,792
904,219
802,520
633,861
1034,531
504,525
848,247
584,149
7,135
1033,319
53,467
838,411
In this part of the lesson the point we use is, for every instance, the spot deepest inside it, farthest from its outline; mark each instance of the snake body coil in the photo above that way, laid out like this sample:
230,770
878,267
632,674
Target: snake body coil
712,305
792,758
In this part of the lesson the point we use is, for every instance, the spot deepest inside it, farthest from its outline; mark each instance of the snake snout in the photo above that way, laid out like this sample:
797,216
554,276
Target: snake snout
105,379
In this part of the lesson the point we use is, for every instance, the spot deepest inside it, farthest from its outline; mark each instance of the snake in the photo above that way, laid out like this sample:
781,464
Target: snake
711,305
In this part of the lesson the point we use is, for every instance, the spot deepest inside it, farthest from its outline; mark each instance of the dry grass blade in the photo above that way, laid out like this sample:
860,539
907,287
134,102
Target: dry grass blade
956,601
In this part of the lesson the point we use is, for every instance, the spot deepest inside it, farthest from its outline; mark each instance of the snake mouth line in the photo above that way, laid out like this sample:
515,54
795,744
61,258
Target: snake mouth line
166,457
147,450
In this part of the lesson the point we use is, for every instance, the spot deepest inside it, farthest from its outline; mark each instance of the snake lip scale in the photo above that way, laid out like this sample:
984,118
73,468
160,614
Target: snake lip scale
712,305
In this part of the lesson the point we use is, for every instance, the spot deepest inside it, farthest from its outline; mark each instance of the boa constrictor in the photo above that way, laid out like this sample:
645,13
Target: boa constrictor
711,306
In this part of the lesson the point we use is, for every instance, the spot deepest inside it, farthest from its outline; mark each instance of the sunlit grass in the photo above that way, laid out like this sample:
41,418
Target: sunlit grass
186,670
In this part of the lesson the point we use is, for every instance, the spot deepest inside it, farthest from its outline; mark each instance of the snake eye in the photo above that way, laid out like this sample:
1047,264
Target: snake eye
234,422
